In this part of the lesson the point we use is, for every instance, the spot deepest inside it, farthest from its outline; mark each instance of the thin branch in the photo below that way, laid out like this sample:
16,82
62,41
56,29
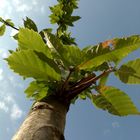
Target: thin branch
73,92
66,81
6,23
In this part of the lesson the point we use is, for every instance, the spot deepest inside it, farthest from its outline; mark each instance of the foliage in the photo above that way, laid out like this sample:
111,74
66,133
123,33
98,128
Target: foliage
60,68
115,101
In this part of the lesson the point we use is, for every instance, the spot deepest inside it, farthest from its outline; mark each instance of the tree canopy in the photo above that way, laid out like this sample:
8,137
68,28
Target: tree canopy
61,69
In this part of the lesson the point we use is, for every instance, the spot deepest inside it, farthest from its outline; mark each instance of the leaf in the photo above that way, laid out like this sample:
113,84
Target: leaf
1,19
26,63
122,47
30,24
29,39
50,62
9,21
70,55
2,29
86,93
103,80
16,36
115,102
37,90
129,73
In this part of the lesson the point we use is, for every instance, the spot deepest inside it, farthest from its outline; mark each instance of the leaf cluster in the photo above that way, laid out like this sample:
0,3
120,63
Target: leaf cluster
62,15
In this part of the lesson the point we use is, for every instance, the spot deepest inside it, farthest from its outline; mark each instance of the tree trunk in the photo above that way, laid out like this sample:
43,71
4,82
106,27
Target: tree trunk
46,121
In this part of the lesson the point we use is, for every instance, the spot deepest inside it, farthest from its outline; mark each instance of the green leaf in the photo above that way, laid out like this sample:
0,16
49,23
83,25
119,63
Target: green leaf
120,49
2,29
1,19
103,80
129,73
29,39
37,90
30,24
70,55
26,63
86,93
115,102
9,22
50,62
16,36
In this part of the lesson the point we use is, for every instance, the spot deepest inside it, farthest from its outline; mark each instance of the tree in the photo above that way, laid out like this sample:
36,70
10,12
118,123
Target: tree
62,72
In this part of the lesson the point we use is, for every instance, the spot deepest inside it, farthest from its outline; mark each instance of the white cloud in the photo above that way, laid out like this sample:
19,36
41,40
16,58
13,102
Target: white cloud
16,112
42,9
115,124
14,82
1,74
4,53
5,8
20,6
3,106
9,106
9,99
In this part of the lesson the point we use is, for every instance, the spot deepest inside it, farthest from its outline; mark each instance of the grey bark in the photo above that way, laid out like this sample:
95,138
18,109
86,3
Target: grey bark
46,121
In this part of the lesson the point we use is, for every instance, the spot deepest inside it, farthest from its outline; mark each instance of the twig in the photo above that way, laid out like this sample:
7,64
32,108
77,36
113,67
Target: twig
73,92
66,81
6,23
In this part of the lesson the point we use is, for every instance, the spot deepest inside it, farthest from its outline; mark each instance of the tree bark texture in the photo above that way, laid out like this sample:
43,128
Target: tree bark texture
46,121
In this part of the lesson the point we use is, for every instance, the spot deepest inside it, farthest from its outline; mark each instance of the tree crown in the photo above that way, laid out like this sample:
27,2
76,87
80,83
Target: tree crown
61,69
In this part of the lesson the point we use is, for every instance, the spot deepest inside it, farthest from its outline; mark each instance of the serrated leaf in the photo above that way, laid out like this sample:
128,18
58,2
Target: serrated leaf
2,29
26,63
120,49
37,90
29,39
70,55
30,24
129,73
115,102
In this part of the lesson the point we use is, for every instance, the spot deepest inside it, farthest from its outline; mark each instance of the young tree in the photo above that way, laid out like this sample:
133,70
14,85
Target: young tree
62,72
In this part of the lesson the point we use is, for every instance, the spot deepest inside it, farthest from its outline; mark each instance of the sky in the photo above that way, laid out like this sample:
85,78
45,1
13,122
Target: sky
101,20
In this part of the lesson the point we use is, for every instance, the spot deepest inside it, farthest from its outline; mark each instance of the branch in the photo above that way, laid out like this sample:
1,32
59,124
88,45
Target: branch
67,80
73,92
6,23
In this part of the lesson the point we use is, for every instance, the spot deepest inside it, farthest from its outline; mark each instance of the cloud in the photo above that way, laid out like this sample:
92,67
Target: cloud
115,124
1,74
16,112
3,106
20,6
15,82
5,8
9,106
4,53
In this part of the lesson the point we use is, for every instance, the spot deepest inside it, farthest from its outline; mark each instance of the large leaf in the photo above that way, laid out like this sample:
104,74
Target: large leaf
129,73
119,49
26,63
70,55
29,39
115,102
2,29
37,90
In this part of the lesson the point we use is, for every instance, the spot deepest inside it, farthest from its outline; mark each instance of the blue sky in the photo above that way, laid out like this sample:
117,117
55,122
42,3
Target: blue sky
101,20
